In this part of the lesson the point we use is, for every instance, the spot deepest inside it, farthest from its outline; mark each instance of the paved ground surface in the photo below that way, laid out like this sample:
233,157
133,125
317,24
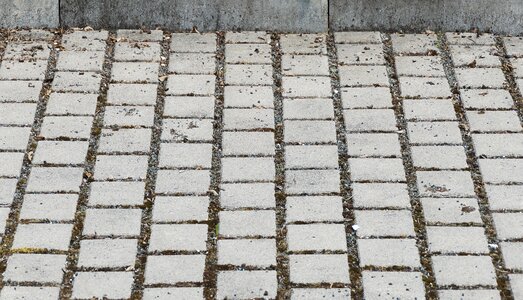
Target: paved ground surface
162,165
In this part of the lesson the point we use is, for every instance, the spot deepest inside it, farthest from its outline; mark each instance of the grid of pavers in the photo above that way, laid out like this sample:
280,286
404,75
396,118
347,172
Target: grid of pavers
146,164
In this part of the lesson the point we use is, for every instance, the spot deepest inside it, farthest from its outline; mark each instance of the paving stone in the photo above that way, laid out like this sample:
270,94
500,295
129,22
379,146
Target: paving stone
513,44
42,236
424,87
425,66
373,144
499,144
250,37
107,253
303,43
66,127
475,56
470,38
52,207
71,104
178,209
27,50
129,116
248,53
178,237
393,285
306,86
325,268
429,110
108,193
363,76
248,96
248,143
248,74
190,85
177,155
30,70
245,169
76,42
480,77
309,132
312,182
121,167
445,183
111,221
399,252
311,156
139,35
508,225
380,195
320,109
294,65
314,209
137,51
132,94
80,61
451,210
7,190
434,133
192,63
468,294
4,215
316,237
358,37
193,42
14,138
172,269
365,120
183,181
140,72
102,285
122,140
42,268
29,292
260,223
247,195
17,113
501,170
505,197
87,34
183,130
415,44
55,179
12,163
517,67
366,97
87,82
439,157
377,223
493,121
20,91
463,270
189,293
60,152
516,283
189,107
486,99
512,255
377,169
320,293
247,284
245,252
32,34
248,119
364,54
456,240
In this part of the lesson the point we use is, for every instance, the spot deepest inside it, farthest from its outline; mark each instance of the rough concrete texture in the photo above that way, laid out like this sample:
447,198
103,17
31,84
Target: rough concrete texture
205,15
30,13
408,15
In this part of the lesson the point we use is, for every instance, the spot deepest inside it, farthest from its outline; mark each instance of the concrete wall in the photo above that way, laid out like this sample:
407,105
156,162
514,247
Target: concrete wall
29,13
500,16
206,15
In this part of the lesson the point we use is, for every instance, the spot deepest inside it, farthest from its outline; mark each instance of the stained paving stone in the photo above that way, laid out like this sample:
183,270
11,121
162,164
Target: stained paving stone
71,104
248,96
404,285
469,294
475,56
417,44
176,293
124,140
426,66
295,65
445,183
362,54
132,94
320,293
451,210
137,51
424,87
29,292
